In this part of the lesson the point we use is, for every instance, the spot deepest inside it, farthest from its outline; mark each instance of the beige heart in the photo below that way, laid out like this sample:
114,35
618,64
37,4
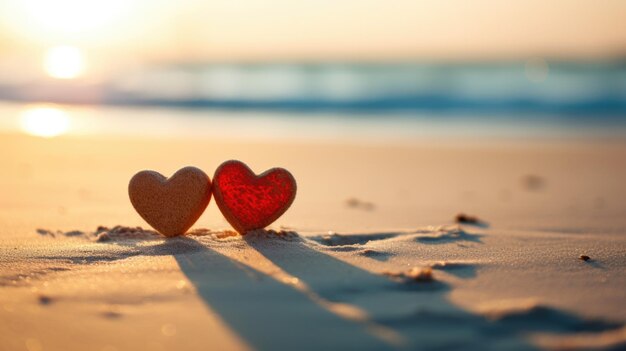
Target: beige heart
171,206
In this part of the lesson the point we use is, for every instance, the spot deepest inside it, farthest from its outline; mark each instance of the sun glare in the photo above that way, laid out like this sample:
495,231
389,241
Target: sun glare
64,62
44,121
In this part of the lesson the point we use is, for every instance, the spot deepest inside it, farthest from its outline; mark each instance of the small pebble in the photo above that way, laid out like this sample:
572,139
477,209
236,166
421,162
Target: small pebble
463,218
532,182
421,274
74,233
111,314
415,274
44,300
584,257
102,237
45,232
359,204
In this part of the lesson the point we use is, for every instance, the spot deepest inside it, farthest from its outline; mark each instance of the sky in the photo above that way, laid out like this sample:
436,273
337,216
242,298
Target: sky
46,45
242,30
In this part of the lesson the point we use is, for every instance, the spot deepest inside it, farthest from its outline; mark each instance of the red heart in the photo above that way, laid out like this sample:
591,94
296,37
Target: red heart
249,201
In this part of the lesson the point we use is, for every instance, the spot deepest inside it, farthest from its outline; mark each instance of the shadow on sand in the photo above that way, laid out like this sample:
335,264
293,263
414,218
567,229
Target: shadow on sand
266,313
271,315
419,312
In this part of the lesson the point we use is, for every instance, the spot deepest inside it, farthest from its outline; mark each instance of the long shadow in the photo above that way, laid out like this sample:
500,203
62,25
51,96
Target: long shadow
419,312
270,315
267,314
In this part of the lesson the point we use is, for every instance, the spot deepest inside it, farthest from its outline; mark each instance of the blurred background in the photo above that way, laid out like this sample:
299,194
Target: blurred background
390,70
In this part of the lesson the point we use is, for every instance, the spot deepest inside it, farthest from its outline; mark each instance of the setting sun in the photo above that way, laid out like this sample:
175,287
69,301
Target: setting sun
64,62
45,121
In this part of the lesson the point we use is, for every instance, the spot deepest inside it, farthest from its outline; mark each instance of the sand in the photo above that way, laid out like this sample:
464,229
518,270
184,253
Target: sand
369,256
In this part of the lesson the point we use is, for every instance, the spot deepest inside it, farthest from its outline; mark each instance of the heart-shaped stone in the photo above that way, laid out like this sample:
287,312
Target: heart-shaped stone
248,201
171,206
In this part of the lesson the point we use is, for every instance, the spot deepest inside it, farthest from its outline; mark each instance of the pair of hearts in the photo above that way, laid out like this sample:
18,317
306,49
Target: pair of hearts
247,201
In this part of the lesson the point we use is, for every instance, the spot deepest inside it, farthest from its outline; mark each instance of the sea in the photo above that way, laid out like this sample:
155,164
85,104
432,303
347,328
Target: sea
527,98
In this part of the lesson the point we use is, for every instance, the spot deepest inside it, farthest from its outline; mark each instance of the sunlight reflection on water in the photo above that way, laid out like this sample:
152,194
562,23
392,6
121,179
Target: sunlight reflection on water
44,121
155,122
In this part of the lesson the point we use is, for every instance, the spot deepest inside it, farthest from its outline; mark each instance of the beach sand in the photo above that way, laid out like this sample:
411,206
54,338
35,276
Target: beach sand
368,257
